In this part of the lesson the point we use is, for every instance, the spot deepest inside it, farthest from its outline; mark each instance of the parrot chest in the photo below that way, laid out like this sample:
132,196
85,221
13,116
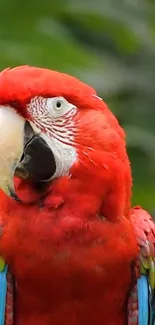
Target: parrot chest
71,271
77,288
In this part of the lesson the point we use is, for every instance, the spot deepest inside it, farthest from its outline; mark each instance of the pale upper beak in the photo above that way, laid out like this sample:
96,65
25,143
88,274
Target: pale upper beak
11,146
23,152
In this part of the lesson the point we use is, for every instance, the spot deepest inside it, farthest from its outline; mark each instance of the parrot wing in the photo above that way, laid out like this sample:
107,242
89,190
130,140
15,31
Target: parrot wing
141,303
6,294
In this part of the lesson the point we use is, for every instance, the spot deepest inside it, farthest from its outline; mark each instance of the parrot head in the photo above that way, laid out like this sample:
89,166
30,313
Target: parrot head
53,126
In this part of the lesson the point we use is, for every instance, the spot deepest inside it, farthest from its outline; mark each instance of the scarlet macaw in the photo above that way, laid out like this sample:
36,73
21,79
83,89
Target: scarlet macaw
77,253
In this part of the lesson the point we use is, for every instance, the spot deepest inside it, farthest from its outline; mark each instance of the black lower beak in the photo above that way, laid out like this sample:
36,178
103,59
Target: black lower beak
37,162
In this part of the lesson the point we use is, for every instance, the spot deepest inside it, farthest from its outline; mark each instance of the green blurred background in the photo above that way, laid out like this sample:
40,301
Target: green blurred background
109,44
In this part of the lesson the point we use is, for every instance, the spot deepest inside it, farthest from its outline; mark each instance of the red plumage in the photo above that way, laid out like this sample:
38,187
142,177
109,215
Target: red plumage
72,250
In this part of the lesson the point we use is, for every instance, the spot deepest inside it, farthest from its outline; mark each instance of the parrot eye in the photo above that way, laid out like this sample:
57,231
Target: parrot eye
58,106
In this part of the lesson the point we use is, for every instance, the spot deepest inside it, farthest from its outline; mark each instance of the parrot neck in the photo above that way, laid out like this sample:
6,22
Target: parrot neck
86,194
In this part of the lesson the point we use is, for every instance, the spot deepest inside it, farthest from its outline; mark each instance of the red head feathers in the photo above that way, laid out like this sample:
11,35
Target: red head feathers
19,85
101,163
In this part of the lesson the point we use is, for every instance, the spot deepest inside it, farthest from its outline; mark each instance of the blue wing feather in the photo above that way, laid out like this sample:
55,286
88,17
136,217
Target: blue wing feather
3,292
143,300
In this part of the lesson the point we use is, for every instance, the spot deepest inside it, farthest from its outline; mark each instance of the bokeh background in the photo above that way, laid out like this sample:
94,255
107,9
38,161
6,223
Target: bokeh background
109,44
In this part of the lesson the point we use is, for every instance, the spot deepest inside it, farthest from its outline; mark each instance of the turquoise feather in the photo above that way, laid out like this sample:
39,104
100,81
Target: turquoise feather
3,292
143,300
146,304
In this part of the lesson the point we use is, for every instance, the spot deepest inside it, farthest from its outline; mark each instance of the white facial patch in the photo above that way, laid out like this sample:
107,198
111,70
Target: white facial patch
54,117
64,154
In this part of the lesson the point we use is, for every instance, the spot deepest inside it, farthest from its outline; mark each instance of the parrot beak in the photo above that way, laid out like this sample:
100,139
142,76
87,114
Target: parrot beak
23,152
11,147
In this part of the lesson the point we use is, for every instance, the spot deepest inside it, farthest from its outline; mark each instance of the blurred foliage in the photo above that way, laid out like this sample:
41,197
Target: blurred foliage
109,44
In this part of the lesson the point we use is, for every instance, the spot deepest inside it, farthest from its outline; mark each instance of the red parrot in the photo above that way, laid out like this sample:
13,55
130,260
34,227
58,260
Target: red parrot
75,248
